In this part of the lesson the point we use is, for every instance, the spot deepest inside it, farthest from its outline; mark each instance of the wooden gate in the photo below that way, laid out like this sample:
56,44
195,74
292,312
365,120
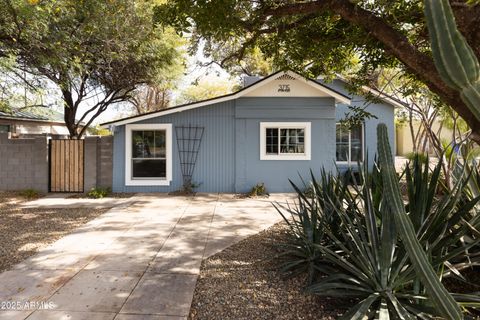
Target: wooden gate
66,165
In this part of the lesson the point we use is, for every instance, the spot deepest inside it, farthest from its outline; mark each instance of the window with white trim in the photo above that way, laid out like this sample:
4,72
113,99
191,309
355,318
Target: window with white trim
349,144
285,140
4,128
148,154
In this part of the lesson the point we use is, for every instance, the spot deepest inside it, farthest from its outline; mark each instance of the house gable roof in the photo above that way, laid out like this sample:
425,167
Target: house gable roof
310,86
376,94
16,114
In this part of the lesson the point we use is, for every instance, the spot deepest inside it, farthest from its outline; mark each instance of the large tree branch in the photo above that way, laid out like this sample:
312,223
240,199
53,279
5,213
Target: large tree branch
102,106
395,43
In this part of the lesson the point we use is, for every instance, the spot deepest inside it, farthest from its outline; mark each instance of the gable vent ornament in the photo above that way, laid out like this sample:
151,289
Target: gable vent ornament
285,77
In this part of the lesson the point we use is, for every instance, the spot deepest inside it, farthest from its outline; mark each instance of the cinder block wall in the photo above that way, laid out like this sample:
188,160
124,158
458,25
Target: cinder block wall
98,162
105,162
23,163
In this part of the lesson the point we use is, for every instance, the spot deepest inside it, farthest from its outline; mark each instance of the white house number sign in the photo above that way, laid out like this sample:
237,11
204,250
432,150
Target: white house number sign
283,88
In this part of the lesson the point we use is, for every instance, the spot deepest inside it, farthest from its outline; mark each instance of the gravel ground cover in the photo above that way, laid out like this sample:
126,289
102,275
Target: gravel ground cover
24,231
242,282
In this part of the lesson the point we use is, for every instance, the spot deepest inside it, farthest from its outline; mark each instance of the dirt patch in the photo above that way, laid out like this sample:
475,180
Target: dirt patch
24,231
241,282
116,195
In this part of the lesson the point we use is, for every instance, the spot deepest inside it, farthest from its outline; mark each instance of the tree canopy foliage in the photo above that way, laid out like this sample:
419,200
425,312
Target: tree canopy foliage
95,52
328,36
206,88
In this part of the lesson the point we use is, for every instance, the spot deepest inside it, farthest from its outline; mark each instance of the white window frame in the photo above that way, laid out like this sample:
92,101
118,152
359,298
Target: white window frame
285,125
129,181
349,162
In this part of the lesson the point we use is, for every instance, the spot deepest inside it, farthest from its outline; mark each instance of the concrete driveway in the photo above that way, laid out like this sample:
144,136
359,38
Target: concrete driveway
140,260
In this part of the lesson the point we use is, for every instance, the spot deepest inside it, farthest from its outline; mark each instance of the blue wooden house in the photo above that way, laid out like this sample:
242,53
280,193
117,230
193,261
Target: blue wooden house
274,129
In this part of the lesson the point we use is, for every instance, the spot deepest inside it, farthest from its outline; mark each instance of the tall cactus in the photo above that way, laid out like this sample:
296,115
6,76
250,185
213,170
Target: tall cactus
455,60
443,301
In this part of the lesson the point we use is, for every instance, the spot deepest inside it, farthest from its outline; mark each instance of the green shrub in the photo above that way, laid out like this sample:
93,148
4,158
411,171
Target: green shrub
30,193
98,193
258,190
381,251
422,157
189,187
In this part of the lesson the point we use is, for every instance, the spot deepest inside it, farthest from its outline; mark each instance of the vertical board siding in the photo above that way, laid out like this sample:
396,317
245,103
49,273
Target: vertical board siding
229,159
275,174
214,169
384,112
66,165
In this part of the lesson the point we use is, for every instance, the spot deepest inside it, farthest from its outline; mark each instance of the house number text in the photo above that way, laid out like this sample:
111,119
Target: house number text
283,88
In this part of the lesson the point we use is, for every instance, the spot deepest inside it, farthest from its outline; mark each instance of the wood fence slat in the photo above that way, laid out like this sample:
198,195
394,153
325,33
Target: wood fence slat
58,156
81,165
75,167
68,144
67,165
52,166
72,166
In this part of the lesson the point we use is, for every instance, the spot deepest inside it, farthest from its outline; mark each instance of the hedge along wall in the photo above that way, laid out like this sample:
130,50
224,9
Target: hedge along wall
24,163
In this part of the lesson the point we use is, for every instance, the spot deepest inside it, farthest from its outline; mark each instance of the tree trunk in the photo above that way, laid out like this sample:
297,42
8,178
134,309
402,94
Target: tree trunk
69,110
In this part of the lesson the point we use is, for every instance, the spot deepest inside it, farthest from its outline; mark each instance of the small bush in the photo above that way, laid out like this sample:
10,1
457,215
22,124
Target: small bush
258,190
30,194
418,156
189,187
98,193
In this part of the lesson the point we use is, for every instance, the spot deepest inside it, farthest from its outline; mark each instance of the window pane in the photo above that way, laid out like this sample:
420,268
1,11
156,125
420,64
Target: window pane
149,168
272,141
148,143
292,141
342,144
356,143
4,128
137,144
159,150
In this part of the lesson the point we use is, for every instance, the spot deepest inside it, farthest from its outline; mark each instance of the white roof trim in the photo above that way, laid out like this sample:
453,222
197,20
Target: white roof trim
338,98
383,97
377,94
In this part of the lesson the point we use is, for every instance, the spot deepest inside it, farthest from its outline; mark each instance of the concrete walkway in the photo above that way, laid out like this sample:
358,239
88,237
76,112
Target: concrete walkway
140,260
60,200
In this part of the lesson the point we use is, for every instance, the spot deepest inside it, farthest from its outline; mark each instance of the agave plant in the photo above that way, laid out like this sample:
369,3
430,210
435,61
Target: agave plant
392,256
306,219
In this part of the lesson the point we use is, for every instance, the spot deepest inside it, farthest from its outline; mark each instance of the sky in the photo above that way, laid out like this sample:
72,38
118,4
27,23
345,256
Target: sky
193,72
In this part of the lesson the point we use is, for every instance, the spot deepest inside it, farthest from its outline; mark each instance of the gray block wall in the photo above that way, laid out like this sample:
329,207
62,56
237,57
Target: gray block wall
98,162
105,162
23,163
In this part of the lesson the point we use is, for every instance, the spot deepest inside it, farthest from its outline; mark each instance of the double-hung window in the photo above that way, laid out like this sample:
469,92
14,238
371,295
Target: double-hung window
148,154
4,128
285,141
349,143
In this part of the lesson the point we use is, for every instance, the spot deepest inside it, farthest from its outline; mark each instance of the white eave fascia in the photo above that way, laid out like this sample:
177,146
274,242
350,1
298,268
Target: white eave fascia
338,98
377,94
384,97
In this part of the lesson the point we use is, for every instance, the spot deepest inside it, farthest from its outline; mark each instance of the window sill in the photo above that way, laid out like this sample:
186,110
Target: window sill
147,182
285,157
